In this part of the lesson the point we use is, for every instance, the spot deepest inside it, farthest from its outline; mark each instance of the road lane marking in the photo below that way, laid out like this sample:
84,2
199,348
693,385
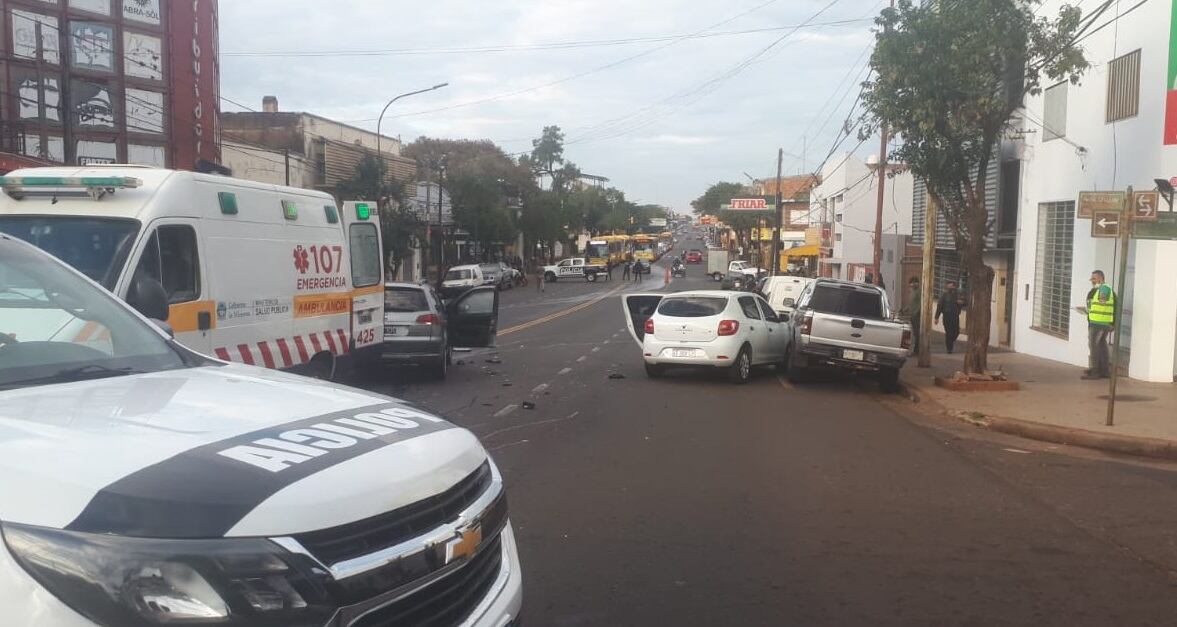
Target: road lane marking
506,410
564,371
562,313
539,388
581,358
1016,450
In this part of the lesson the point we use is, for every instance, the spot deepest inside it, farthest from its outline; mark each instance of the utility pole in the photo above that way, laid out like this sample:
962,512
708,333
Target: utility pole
925,335
1118,317
286,156
878,261
776,232
440,224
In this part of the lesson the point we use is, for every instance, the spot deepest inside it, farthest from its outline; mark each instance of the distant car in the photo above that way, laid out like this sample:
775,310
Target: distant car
737,281
417,329
694,255
498,274
459,279
725,330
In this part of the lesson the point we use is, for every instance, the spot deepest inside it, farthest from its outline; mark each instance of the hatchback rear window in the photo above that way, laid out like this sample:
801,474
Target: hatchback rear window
692,306
405,299
454,275
847,301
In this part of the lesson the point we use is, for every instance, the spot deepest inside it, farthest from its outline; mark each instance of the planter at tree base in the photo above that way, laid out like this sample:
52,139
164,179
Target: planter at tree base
955,384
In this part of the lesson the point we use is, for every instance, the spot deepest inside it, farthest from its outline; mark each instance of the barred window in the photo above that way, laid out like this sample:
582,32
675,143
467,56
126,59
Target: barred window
1052,268
1123,87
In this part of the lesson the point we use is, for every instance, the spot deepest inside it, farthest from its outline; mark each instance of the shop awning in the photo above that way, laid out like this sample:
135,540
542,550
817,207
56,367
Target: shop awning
811,250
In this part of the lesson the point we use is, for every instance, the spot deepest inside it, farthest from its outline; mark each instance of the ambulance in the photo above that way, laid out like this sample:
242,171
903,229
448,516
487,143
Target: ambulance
254,273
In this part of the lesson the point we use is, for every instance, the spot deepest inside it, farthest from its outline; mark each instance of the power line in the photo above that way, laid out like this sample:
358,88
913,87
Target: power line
558,45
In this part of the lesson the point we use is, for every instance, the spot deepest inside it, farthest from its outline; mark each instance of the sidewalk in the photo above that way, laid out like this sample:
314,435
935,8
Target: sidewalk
1054,404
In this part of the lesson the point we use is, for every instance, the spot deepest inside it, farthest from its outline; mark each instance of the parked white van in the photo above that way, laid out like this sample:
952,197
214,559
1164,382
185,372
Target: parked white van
782,292
260,274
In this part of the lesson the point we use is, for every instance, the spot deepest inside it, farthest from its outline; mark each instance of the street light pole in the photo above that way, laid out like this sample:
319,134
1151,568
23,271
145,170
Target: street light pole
380,119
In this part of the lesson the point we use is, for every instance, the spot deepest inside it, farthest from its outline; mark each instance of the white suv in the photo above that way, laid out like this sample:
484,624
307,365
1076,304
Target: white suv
458,279
718,329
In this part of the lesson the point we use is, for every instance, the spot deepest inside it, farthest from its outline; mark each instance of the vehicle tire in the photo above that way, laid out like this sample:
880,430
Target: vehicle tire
888,380
550,277
740,372
654,370
797,370
441,368
591,277
322,367
717,277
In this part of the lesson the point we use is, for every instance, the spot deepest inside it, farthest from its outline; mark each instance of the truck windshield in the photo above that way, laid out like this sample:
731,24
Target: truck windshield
457,275
847,301
98,247
643,246
55,327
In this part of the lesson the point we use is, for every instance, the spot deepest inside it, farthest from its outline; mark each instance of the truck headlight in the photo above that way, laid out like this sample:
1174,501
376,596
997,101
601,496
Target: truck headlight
143,582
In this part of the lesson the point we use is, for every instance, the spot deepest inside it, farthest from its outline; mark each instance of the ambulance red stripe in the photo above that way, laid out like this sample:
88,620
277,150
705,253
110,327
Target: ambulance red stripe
267,356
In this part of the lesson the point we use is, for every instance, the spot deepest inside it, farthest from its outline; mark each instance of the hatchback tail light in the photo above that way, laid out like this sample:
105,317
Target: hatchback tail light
428,319
649,325
906,341
728,327
807,324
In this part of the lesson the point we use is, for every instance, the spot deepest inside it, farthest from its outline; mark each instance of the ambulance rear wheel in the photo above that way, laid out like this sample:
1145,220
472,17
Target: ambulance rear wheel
322,366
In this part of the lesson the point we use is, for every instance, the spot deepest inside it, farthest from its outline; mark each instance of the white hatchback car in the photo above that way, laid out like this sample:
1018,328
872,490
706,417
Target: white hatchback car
734,331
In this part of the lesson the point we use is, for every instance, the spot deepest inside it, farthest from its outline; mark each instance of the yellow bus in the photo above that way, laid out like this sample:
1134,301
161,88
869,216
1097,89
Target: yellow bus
665,242
645,247
597,252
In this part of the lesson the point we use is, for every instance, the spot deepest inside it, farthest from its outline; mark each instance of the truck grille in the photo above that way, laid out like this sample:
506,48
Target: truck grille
446,602
363,537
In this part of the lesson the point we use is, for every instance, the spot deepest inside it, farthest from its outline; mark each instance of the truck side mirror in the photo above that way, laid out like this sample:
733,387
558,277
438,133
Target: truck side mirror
148,297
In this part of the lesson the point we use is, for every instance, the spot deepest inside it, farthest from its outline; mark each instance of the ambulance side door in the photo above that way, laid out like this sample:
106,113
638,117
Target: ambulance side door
170,252
361,222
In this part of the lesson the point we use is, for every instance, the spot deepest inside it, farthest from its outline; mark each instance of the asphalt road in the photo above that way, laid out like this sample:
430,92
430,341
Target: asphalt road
689,501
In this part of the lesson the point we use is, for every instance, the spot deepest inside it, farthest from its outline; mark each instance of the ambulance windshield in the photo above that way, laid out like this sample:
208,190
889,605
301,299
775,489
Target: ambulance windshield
98,247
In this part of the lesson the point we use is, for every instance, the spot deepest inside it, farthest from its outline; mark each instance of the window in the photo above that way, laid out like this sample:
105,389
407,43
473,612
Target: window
405,299
847,301
838,237
171,258
365,255
692,307
890,256
1052,268
1123,87
748,304
35,36
769,314
1054,112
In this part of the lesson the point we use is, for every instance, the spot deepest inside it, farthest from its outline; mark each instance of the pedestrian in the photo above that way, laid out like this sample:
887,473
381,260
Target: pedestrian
539,277
1101,320
912,312
609,271
638,266
626,270
949,307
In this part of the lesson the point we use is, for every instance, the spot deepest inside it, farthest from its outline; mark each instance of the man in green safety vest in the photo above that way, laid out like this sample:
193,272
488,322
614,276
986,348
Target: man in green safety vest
1101,319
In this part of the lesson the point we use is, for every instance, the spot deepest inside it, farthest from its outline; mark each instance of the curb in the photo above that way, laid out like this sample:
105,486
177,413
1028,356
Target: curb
1154,448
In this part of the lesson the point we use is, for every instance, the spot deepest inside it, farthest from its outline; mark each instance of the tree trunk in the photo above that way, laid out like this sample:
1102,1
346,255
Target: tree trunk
976,358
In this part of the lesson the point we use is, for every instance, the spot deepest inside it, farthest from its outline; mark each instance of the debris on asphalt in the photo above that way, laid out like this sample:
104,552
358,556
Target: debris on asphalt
494,360
528,405
459,363
506,384
616,375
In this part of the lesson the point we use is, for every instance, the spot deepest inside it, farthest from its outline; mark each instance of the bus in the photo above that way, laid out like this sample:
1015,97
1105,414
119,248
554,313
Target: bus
618,248
665,242
597,253
645,248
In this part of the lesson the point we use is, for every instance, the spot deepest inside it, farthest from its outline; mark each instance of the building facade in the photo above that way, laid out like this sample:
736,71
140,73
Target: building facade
1116,128
109,81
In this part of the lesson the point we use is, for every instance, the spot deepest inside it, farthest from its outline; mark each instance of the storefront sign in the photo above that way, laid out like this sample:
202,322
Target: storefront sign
1090,202
194,78
748,204
146,11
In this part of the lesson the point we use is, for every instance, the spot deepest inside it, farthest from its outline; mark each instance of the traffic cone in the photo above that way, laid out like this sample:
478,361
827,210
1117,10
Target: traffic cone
666,281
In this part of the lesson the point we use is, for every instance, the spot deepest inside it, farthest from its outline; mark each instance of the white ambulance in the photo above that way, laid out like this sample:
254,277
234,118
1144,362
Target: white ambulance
258,274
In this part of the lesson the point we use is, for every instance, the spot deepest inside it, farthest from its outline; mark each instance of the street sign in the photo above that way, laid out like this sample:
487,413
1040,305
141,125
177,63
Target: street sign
1090,202
1164,227
748,204
1105,224
1144,206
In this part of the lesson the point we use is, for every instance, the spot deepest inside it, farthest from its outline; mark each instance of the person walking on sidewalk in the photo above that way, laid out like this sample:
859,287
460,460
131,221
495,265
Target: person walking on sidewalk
1101,319
911,311
949,306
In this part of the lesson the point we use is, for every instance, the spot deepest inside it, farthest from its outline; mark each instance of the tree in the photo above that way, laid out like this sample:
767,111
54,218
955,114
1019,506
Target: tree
547,151
399,226
949,78
718,194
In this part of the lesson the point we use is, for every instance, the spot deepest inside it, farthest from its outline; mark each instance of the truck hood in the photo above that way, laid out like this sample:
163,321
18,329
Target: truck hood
218,451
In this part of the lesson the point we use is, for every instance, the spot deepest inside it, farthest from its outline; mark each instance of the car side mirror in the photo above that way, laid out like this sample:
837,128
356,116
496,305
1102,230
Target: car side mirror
148,297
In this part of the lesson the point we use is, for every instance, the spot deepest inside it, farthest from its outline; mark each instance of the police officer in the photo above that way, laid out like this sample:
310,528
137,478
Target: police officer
1101,319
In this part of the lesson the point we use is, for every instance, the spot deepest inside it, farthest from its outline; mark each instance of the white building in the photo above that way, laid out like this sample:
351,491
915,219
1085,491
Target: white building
845,203
1106,133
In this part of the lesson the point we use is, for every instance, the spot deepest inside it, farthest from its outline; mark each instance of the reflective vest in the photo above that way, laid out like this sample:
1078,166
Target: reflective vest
1102,313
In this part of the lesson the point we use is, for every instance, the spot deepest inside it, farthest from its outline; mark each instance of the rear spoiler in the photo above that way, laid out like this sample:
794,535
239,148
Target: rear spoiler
93,187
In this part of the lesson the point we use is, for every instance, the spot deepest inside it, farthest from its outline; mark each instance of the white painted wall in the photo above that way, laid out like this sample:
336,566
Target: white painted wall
850,187
1129,152
265,166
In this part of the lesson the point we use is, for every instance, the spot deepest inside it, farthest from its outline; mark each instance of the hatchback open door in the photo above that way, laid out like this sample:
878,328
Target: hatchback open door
472,319
639,308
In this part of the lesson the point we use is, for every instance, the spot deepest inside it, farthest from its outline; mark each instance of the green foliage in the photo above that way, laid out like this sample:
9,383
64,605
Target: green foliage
399,226
718,194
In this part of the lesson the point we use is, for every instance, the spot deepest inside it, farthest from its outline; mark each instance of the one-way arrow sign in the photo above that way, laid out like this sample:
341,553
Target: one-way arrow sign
1105,224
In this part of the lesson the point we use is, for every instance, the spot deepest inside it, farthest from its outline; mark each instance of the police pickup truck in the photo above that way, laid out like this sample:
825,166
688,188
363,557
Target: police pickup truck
143,484
574,268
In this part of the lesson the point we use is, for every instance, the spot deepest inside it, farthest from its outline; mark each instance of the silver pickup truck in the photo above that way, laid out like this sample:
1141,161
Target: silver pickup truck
846,326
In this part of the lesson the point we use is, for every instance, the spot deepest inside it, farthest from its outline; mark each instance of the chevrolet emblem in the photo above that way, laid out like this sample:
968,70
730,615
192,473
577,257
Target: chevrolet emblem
465,545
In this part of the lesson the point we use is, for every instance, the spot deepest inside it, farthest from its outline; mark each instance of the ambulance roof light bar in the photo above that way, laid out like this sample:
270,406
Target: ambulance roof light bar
94,187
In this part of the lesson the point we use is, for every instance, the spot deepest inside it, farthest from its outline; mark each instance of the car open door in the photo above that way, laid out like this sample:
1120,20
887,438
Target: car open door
365,253
637,309
472,319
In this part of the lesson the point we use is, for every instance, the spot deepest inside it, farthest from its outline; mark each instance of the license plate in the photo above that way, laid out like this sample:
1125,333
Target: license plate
684,352
853,355
395,331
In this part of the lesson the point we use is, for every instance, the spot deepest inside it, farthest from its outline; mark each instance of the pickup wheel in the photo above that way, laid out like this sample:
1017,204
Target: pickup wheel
591,277
740,372
889,380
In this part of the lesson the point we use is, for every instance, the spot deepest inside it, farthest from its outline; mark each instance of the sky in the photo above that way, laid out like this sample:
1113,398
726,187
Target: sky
695,100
